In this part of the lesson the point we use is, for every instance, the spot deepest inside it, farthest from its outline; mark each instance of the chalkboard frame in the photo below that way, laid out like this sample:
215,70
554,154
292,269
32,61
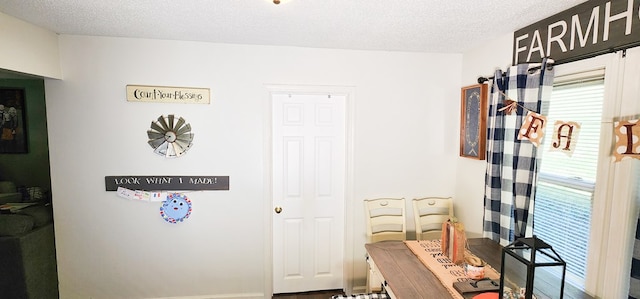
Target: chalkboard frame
473,121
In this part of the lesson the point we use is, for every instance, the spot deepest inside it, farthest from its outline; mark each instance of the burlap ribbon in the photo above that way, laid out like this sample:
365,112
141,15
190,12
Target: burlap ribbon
429,252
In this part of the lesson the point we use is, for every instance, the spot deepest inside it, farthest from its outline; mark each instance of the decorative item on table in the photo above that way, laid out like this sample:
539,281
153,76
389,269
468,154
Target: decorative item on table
531,269
472,286
474,267
479,281
454,240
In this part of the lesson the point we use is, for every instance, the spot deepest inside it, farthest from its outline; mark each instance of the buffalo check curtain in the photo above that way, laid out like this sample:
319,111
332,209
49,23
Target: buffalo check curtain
511,163
634,282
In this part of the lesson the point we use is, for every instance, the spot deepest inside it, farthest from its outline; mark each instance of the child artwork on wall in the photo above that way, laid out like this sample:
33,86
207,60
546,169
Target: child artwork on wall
176,208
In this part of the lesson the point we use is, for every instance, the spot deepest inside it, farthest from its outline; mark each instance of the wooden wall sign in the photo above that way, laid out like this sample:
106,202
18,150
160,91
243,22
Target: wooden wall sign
167,94
586,30
162,183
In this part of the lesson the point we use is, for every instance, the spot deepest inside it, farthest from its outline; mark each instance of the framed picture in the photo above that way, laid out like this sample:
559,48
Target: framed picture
473,121
13,135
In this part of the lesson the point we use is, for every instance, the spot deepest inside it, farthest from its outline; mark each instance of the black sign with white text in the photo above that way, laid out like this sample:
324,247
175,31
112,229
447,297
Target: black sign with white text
586,30
164,183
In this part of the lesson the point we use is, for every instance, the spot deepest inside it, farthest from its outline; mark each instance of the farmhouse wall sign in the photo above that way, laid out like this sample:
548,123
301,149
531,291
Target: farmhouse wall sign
586,30
167,94
164,182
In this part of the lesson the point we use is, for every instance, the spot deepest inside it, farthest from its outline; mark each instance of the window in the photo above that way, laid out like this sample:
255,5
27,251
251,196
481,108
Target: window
564,193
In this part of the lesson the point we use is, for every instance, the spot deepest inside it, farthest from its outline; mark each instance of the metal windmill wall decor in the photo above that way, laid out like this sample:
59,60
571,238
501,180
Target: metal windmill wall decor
170,138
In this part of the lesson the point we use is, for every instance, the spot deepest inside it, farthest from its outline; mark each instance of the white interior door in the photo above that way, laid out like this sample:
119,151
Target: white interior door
308,192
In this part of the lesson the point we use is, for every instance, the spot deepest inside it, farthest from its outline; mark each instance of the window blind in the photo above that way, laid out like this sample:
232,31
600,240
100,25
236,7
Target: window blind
564,193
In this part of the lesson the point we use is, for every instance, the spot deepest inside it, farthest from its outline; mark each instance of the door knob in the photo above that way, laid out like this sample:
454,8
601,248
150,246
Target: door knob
278,210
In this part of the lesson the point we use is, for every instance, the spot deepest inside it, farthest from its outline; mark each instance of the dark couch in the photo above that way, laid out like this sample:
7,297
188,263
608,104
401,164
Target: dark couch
27,254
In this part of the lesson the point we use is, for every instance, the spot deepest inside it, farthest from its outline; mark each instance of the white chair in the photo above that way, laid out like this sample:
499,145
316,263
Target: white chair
429,213
385,219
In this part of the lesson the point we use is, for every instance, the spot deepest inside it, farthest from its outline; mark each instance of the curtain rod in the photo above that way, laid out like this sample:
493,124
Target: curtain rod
551,62
531,70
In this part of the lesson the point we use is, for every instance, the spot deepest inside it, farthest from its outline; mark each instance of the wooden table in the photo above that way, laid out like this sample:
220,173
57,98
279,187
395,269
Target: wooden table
405,277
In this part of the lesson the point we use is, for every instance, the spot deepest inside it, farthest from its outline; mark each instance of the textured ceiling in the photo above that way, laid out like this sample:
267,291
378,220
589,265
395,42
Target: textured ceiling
403,25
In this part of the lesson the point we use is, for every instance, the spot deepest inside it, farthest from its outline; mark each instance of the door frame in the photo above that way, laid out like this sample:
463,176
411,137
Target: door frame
349,93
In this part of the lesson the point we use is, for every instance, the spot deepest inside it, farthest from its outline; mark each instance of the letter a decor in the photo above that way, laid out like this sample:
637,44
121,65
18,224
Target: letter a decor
565,136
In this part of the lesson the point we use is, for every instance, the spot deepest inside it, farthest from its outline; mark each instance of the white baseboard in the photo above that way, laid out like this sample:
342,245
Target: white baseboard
359,289
222,296
356,290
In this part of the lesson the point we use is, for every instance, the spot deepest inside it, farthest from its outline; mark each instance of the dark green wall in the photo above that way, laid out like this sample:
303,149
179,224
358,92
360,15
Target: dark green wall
30,169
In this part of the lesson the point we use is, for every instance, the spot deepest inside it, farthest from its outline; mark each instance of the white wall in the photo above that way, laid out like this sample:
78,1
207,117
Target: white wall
482,61
28,49
406,108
